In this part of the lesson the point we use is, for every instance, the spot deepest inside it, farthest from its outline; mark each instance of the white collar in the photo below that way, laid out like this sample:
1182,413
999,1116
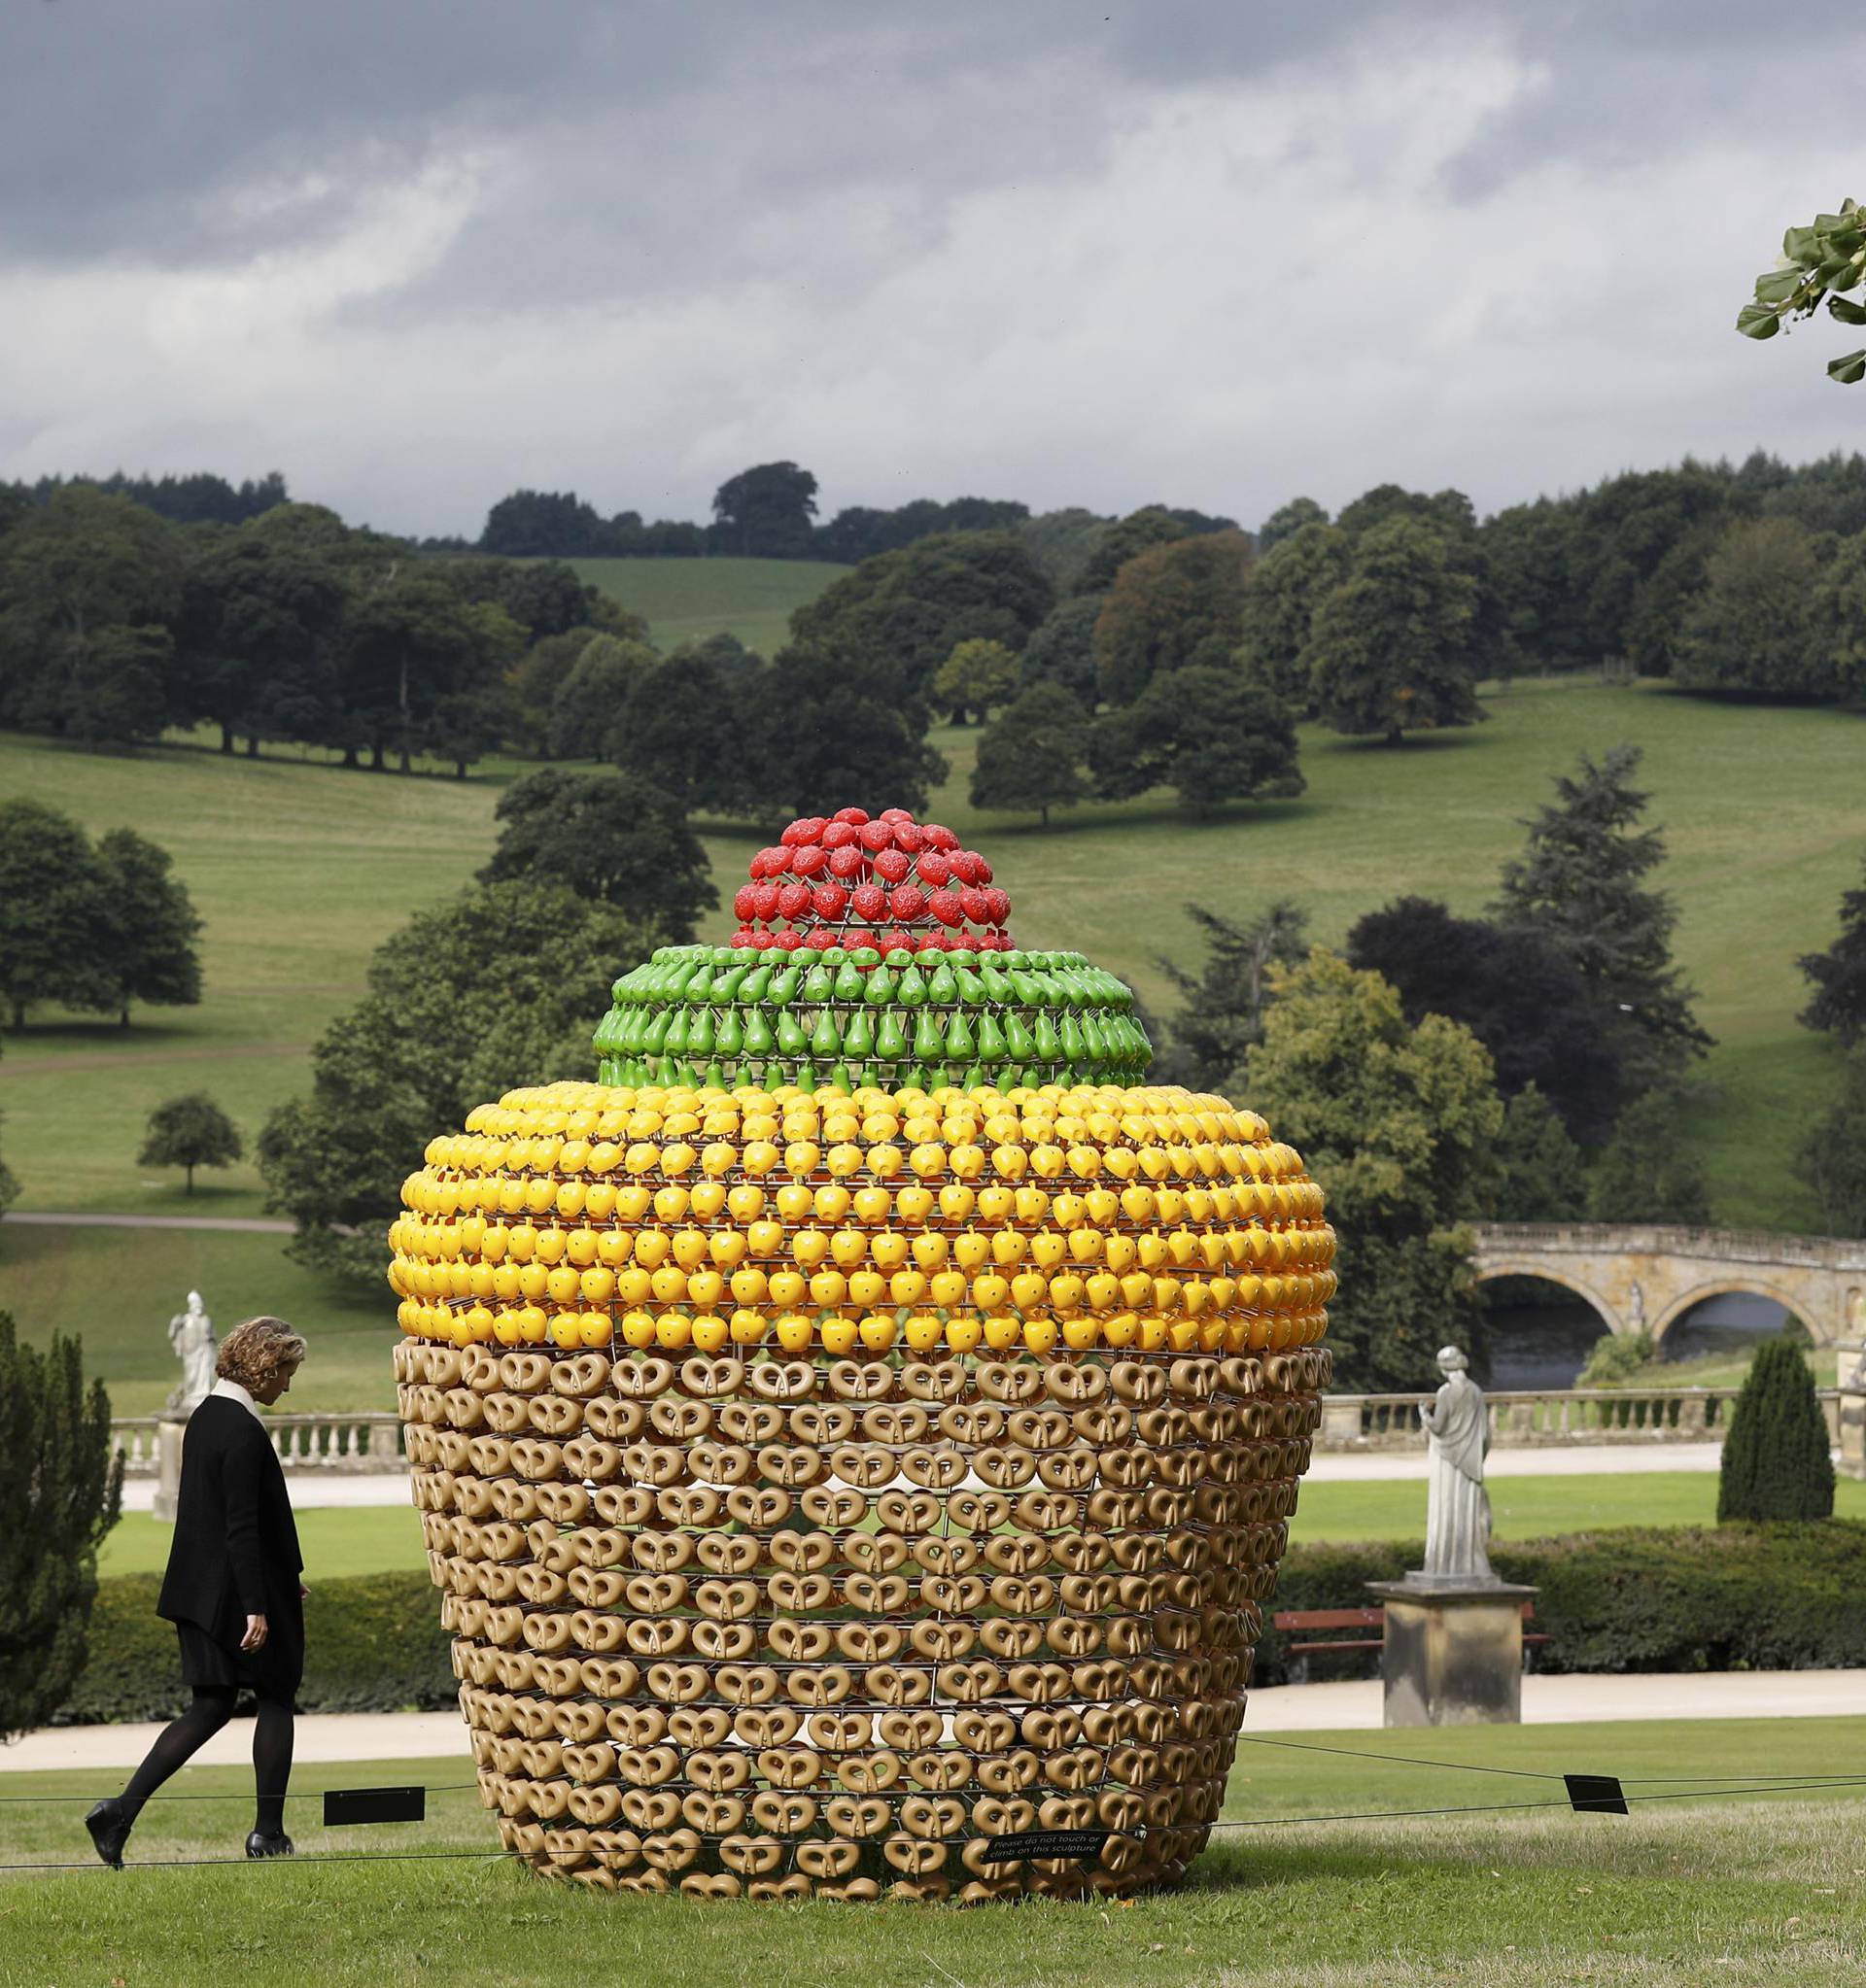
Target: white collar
232,1391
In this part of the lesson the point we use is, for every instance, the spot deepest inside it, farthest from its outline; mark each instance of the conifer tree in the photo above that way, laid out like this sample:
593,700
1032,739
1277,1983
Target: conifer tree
61,1492
1839,976
1775,1463
1579,881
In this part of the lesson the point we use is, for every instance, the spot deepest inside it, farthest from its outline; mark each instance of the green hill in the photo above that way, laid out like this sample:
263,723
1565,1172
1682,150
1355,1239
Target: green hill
300,869
683,598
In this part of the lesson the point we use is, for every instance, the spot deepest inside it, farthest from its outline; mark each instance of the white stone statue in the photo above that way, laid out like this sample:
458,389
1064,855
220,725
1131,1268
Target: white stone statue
192,1335
1458,1507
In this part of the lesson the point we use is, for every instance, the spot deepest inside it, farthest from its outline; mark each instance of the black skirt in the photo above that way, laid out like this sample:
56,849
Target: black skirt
273,1671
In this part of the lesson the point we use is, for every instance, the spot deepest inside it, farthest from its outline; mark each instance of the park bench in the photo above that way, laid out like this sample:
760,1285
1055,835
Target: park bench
1300,1619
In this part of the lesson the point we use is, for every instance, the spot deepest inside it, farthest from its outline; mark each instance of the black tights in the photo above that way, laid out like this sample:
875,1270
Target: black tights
178,1743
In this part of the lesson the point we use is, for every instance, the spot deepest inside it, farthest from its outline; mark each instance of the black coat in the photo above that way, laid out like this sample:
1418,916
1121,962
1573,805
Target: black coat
235,1551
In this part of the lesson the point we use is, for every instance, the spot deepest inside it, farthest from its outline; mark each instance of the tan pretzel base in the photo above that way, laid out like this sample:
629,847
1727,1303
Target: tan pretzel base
778,1628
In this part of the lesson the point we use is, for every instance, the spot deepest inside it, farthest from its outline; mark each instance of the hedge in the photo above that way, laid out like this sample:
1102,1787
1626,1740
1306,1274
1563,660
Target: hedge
373,1643
1730,1597
1726,1597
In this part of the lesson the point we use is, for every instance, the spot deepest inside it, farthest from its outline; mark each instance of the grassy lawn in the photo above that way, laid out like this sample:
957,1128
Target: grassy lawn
1767,1891
684,599
119,1288
300,869
1531,1507
1726,1369
373,1540
337,1539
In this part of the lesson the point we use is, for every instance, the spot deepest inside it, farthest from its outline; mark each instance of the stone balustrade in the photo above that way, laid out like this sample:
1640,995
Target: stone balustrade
1550,1417
371,1440
307,1444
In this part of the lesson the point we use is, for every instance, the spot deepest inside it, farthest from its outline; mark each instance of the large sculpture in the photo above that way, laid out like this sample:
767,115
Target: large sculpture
863,1428
1456,1505
191,1337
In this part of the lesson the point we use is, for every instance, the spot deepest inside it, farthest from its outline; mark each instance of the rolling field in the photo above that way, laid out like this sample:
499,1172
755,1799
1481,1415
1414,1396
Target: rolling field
686,599
1765,1891
300,869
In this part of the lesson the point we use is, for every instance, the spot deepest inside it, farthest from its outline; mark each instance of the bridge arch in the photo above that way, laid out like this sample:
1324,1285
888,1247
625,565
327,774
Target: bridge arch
1738,1285
1551,1270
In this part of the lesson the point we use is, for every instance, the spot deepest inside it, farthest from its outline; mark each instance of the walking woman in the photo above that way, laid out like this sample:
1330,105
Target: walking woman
233,1588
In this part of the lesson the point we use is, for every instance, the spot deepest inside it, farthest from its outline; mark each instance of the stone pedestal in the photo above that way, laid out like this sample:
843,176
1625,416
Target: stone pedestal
1853,1407
168,1469
1453,1654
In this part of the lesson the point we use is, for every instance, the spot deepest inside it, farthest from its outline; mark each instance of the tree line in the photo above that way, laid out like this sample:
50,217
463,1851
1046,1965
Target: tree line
292,628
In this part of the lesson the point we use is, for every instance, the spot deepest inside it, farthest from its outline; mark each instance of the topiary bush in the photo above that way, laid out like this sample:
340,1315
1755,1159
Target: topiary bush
1775,1463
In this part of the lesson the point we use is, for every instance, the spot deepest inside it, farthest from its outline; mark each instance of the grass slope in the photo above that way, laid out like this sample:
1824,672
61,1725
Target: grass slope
300,869
1763,1891
374,1539
684,599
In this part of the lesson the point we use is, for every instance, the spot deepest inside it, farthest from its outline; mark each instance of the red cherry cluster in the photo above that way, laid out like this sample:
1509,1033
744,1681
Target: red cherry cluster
886,881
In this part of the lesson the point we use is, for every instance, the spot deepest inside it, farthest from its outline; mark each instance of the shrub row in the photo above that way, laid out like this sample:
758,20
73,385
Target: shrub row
1734,1597
1727,1598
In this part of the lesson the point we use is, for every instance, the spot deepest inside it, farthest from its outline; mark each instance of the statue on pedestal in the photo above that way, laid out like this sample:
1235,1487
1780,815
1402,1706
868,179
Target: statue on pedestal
1458,1507
190,1334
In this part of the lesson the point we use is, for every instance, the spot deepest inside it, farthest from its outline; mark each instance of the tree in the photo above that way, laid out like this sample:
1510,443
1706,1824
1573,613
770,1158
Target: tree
9,1184
1649,1170
61,1484
1539,1174
1390,648
767,512
1398,1121
858,532
152,922
496,989
1062,650
811,726
88,584
977,675
1221,1011
1821,264
905,612
1832,1159
1173,604
1285,521
588,705
1205,732
1534,550
1747,627
256,641
1579,883
1033,756
613,838
54,938
1774,1465
190,1132
1276,623
1063,543
543,523
539,675
677,731
1837,622
407,645
1518,993
1838,975
1151,525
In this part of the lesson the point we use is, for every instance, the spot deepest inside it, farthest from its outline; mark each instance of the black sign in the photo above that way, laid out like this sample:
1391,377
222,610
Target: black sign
374,1805
1083,1843
1596,1793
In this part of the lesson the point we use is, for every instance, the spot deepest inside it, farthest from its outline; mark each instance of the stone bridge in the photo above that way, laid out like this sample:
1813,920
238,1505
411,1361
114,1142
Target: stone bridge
1645,1279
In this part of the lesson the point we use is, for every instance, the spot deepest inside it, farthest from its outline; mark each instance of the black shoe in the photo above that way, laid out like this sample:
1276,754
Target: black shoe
260,1846
109,1823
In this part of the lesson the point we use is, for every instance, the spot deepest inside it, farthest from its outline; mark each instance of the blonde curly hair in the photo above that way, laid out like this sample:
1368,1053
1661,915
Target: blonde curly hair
255,1350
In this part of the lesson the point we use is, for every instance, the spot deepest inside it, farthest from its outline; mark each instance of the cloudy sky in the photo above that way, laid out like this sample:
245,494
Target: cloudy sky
417,253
